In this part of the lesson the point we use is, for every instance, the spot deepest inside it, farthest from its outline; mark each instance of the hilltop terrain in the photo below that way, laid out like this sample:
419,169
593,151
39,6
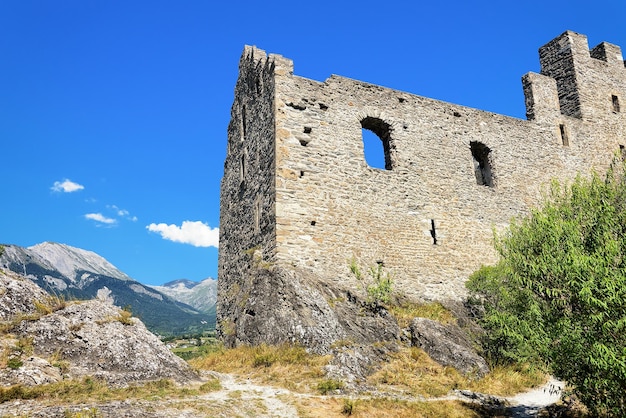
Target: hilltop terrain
92,359
75,273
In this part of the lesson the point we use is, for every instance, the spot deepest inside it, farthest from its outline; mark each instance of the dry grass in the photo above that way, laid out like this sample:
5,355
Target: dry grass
50,304
286,366
507,381
90,389
125,317
409,373
412,371
405,312
381,408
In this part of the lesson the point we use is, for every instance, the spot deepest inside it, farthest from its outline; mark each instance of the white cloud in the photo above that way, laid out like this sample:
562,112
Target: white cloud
122,213
66,186
98,217
196,233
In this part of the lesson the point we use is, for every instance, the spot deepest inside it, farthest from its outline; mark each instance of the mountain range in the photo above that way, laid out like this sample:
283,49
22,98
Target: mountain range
168,310
200,295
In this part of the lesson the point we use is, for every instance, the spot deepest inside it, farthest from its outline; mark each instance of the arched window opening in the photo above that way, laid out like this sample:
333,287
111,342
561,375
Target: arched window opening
481,155
377,133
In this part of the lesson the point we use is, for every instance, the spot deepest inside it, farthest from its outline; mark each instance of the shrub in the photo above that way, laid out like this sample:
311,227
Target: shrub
329,385
14,363
559,292
349,406
379,284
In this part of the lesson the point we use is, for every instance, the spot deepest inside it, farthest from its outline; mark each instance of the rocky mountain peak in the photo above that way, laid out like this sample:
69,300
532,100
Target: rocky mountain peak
181,284
200,295
71,261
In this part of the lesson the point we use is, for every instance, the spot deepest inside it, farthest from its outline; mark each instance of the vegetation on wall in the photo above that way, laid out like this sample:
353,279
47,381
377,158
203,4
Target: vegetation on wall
558,294
378,283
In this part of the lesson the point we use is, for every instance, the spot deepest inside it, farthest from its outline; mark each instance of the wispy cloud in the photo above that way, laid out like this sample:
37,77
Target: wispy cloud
66,186
122,213
98,217
196,233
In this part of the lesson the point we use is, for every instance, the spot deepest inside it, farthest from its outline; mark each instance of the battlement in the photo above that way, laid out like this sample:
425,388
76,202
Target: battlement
584,77
276,63
298,193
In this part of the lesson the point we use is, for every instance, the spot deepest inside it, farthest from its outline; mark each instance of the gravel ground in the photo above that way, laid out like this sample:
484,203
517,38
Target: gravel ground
242,397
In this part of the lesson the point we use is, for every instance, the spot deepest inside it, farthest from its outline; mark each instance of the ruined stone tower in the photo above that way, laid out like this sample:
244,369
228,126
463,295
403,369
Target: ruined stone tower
298,199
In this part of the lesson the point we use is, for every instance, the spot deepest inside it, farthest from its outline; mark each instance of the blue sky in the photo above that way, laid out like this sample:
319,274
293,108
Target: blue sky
113,114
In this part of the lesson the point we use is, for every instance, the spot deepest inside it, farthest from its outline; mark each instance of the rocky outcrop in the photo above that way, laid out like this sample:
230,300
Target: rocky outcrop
91,338
18,295
99,340
289,306
447,345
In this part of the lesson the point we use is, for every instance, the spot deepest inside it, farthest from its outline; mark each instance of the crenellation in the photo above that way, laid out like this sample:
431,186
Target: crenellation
298,193
609,53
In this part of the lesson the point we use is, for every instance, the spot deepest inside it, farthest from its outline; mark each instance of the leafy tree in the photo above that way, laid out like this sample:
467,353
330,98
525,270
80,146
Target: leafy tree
558,293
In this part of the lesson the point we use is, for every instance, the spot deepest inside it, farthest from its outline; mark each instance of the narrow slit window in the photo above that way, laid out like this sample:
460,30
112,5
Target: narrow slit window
481,155
257,216
564,138
243,122
433,231
242,167
615,101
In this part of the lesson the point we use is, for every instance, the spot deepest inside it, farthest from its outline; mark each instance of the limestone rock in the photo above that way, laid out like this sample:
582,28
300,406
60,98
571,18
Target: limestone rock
17,295
33,371
293,306
98,341
93,337
447,345
353,363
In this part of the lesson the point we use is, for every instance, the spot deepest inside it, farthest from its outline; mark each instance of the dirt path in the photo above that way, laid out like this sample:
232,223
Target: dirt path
242,397
529,404
250,392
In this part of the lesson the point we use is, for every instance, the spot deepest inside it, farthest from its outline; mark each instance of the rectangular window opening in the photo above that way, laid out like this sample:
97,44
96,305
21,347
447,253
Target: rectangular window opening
481,156
564,137
615,101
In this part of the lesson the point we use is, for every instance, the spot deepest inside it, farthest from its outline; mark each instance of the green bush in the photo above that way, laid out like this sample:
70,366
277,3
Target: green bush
379,284
329,385
559,292
14,363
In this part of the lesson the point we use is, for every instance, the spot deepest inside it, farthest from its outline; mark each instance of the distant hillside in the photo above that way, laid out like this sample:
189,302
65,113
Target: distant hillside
81,274
200,295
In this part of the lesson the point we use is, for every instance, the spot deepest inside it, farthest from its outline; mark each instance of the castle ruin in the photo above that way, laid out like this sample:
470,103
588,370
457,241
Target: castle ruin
298,199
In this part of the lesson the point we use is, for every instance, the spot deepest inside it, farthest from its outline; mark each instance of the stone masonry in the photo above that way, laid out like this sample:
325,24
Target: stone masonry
298,197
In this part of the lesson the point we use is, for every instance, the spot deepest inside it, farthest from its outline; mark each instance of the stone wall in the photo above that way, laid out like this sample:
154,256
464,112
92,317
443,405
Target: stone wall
308,201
